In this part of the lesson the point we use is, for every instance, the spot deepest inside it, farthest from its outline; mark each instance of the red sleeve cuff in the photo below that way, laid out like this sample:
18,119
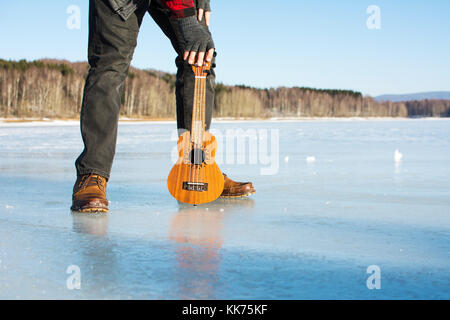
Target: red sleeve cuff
180,8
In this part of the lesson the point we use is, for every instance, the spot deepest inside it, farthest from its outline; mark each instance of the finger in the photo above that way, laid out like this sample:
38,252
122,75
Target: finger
186,53
210,55
207,17
200,14
200,57
192,57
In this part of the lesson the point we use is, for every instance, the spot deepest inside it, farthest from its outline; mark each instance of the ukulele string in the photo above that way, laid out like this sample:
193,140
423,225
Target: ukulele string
201,116
199,110
191,137
192,127
194,155
202,109
196,169
195,126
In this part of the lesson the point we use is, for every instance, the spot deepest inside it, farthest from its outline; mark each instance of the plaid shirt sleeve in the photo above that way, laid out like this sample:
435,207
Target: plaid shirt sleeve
180,8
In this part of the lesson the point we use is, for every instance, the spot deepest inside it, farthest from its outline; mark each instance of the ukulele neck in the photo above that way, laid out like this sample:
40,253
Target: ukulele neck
198,111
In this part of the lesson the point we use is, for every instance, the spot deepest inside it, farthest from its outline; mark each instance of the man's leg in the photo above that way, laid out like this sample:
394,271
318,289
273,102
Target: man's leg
185,81
184,89
111,46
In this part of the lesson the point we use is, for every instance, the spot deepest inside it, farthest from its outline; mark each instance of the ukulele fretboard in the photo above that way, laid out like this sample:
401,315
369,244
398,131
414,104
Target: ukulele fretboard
198,110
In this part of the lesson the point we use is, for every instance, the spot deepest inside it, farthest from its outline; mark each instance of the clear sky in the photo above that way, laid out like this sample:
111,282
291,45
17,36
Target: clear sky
270,43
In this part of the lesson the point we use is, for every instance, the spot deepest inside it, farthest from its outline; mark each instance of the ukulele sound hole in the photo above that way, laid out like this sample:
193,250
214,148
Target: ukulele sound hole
197,156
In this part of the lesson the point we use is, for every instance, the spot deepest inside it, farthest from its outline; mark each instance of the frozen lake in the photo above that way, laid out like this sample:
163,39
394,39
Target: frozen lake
330,202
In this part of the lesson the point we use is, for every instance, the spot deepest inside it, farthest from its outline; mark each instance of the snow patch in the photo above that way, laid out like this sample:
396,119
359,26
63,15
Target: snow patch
310,159
398,156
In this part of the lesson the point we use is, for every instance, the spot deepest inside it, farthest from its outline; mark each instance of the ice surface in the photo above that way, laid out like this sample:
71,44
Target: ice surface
310,231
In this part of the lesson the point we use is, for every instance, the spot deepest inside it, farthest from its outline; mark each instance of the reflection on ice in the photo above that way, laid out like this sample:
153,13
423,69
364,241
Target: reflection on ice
90,223
197,230
198,233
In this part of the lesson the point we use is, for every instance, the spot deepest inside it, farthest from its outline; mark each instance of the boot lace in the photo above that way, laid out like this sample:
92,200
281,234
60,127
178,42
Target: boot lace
90,180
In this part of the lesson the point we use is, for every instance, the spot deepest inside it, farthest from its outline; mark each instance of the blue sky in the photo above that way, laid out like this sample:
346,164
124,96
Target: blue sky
262,43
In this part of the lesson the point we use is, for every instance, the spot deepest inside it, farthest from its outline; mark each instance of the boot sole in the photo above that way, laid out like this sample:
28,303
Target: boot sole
238,196
89,207
89,210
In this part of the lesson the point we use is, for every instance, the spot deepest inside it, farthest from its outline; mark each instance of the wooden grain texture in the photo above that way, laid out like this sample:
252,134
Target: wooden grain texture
208,172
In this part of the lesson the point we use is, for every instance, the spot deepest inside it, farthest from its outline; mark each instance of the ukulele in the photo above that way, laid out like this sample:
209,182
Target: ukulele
195,178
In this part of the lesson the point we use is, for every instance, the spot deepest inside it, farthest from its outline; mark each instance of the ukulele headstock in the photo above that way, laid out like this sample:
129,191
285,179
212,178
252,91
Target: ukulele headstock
201,71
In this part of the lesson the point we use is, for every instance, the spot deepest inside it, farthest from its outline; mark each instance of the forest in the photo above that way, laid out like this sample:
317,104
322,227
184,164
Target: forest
54,89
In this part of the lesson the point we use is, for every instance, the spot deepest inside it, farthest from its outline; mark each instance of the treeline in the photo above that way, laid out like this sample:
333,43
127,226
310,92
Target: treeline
428,108
54,89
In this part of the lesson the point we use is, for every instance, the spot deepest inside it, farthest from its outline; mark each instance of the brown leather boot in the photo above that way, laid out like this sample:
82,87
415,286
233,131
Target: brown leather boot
89,194
233,189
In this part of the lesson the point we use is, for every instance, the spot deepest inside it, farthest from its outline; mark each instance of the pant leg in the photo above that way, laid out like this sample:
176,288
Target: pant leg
185,81
111,46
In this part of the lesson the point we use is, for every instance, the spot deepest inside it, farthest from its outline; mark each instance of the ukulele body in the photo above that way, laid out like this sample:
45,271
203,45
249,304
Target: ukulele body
195,178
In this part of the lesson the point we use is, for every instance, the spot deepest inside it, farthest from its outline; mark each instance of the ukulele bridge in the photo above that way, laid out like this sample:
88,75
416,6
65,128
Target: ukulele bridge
195,186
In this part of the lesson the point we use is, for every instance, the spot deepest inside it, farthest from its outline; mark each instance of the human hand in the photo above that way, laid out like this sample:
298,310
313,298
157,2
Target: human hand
203,9
197,41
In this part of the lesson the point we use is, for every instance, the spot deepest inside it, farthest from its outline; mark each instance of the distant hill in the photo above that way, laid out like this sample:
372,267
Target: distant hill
439,95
